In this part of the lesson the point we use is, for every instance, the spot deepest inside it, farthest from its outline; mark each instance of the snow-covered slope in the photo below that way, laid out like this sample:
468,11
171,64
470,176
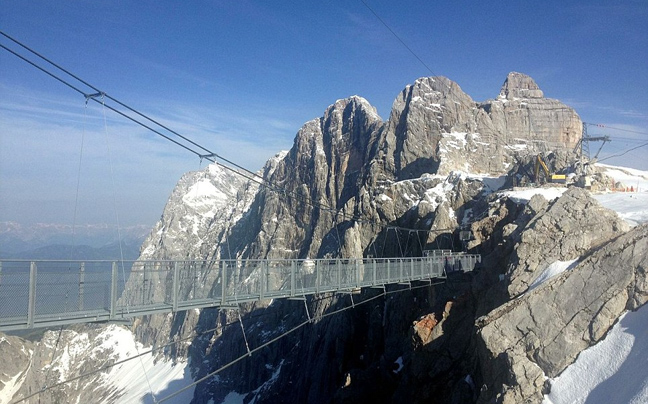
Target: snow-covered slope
137,378
613,371
631,206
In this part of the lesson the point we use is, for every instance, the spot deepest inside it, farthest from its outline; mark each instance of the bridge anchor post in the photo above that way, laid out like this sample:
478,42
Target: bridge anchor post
175,287
31,309
81,285
113,290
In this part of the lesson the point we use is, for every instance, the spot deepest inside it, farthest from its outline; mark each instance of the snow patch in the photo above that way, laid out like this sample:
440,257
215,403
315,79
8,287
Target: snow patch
11,387
628,176
631,207
130,378
524,195
203,194
491,184
612,371
555,268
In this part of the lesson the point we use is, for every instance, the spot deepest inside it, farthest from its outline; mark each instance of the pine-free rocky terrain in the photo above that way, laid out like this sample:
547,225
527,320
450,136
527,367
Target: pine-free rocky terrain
558,269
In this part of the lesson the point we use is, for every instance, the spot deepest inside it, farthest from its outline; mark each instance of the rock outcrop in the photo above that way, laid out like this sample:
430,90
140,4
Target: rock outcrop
16,354
435,126
570,227
542,332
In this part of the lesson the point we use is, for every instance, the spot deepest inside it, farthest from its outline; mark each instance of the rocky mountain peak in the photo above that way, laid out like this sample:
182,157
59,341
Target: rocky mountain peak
355,103
519,85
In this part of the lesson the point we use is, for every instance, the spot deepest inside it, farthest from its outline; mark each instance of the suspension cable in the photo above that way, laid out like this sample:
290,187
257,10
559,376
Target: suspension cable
286,333
119,238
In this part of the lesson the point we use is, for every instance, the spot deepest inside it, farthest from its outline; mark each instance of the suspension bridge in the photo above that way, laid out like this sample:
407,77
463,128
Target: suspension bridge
37,294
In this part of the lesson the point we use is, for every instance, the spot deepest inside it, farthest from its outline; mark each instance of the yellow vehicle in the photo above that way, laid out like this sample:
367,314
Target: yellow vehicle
549,177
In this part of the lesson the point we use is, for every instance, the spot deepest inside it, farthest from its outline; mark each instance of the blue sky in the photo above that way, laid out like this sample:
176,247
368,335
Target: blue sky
242,77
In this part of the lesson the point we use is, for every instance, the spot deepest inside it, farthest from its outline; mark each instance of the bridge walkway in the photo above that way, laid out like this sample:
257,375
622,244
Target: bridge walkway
37,293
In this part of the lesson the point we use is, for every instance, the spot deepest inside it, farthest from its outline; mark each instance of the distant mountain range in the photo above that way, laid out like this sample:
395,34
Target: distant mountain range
60,241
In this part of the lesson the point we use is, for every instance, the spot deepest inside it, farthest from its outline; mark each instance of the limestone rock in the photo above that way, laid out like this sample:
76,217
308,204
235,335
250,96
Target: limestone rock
348,177
518,85
571,226
542,332
16,354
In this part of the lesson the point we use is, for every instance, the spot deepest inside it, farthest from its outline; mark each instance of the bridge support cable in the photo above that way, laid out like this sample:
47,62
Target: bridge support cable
307,311
247,346
51,364
400,247
119,237
283,335
112,181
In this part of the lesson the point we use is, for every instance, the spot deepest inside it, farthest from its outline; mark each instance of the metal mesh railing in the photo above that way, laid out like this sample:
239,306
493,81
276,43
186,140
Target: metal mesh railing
44,293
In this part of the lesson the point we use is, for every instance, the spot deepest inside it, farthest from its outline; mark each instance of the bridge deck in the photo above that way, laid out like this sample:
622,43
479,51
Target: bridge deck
50,293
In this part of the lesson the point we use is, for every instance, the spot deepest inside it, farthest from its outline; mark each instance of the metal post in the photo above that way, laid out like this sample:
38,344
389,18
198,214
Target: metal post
0,273
262,279
357,273
317,276
339,273
31,310
145,265
373,264
174,300
194,279
411,274
223,267
292,278
388,272
400,269
113,290
81,285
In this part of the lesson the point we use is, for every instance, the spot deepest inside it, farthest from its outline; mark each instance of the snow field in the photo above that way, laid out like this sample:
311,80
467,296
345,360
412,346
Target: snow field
552,270
133,377
613,371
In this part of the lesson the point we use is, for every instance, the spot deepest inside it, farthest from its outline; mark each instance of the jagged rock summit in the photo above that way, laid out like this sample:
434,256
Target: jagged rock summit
518,85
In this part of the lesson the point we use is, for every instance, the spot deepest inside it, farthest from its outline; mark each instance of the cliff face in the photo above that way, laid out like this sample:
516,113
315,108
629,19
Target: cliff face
435,127
345,161
542,332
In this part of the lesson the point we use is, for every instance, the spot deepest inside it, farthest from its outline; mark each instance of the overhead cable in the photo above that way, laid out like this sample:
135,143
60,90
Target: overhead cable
624,152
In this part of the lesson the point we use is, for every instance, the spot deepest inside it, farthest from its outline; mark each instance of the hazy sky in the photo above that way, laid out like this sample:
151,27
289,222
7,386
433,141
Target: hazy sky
241,77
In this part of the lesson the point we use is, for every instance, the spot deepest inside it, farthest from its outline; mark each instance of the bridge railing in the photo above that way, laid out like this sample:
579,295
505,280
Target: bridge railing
46,293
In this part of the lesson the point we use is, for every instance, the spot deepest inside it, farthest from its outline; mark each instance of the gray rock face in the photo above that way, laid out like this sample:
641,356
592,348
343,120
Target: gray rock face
57,358
372,173
571,226
198,213
435,127
542,332
15,353
518,85
198,216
